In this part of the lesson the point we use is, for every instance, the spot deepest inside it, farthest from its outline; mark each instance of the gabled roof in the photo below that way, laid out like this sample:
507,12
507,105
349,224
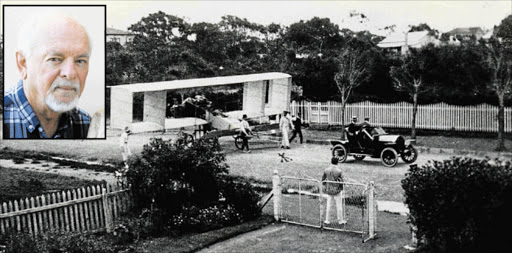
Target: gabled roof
113,31
200,82
398,39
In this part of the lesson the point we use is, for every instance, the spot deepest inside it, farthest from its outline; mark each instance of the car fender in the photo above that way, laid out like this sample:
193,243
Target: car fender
336,143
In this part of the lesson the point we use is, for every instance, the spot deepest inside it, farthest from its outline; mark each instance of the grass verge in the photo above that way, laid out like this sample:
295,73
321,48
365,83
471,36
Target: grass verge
17,184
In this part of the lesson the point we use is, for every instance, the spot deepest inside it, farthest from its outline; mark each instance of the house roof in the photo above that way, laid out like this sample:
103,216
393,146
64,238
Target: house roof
113,31
200,82
398,39
466,31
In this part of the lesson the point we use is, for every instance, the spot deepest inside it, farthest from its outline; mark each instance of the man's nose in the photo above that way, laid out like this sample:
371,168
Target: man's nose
68,69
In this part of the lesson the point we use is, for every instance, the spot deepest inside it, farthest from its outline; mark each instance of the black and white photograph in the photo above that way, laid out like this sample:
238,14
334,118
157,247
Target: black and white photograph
255,126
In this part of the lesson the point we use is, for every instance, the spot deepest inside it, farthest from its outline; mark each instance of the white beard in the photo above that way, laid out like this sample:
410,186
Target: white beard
58,106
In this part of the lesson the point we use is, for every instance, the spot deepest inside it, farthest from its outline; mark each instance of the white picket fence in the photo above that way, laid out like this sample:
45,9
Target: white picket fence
441,116
86,209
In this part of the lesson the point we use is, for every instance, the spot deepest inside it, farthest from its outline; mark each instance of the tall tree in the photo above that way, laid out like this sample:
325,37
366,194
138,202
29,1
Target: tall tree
499,60
159,47
410,77
312,49
353,70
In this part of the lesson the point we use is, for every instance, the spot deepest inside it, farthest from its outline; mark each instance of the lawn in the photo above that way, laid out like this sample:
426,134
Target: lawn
17,184
307,159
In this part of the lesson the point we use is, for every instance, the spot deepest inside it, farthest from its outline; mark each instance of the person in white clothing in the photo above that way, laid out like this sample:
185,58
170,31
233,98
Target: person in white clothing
123,144
285,124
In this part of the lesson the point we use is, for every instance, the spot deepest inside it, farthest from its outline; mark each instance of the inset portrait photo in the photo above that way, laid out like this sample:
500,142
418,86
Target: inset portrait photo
54,72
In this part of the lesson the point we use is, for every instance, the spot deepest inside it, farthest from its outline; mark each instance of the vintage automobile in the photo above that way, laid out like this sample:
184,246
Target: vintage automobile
376,143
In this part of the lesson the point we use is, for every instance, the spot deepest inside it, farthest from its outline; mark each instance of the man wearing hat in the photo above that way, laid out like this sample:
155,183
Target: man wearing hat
245,130
123,144
353,127
285,125
364,135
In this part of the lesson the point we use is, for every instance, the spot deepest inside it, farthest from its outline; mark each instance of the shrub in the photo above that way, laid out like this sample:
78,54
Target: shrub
240,194
461,205
175,175
188,188
198,220
19,243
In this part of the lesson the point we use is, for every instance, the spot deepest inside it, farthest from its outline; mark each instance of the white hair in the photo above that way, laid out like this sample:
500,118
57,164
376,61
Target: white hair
29,32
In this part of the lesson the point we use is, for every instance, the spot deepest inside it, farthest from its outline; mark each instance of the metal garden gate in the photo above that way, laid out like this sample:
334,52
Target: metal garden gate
302,200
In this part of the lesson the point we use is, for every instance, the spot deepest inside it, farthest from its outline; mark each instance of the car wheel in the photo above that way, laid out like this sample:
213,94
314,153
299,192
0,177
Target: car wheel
389,157
409,155
239,142
340,152
359,157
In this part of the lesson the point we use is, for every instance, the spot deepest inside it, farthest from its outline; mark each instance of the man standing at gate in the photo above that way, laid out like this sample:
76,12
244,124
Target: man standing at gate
332,180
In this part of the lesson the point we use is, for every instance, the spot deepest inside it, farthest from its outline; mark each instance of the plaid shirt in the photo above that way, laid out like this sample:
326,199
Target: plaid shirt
20,120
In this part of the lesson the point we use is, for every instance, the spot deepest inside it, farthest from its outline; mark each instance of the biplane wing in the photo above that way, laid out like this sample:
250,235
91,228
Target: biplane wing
188,122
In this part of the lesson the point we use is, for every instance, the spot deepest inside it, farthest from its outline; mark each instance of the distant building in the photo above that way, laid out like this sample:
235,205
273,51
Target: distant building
467,32
119,36
399,43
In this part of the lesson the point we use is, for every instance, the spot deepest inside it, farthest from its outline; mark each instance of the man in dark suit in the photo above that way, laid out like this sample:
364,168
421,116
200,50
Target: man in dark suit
297,123
364,134
353,128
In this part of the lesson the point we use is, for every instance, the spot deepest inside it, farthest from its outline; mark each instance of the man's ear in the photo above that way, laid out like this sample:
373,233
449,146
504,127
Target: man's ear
21,61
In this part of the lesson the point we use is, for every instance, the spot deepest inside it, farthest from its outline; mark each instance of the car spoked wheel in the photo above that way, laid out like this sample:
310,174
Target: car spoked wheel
359,157
340,152
409,155
389,157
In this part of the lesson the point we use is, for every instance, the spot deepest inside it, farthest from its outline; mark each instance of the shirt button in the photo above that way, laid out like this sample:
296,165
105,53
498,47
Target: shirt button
40,129
31,127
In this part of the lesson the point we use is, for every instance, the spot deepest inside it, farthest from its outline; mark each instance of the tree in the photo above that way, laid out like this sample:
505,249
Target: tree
159,47
504,30
353,70
499,60
120,64
312,48
410,77
424,27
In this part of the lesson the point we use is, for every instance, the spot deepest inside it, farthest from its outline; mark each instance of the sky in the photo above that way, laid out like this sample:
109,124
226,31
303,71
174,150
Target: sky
440,15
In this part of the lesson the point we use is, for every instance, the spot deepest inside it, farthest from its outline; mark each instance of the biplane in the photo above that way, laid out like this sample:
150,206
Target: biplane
208,124
265,96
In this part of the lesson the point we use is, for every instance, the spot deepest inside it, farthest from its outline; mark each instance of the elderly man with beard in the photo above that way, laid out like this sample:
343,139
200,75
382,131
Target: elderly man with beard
53,60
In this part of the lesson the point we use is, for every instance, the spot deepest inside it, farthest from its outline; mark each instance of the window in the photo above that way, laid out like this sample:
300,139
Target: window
115,39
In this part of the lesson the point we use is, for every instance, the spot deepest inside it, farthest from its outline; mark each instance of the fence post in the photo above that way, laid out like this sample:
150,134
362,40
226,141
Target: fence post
371,206
276,188
106,210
